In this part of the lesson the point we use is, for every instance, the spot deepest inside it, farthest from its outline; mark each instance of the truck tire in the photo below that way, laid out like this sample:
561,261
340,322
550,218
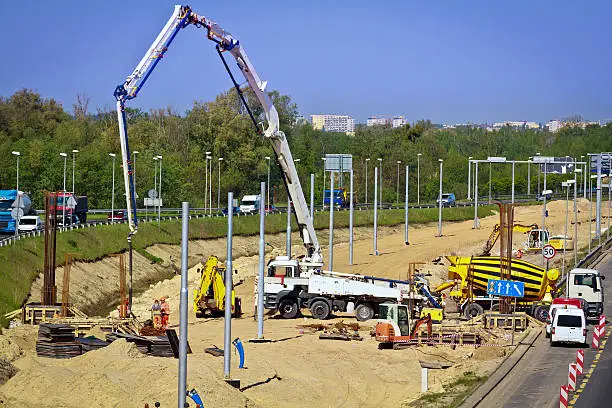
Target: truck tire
473,310
319,309
541,313
288,308
364,311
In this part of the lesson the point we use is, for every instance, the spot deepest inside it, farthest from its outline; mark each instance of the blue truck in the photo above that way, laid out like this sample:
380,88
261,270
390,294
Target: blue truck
10,199
340,198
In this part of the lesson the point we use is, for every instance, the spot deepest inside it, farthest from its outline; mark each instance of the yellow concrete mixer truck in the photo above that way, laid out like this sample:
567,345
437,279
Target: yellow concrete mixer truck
539,285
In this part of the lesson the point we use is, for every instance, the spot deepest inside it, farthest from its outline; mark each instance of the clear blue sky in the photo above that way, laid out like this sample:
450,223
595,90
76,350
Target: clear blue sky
449,61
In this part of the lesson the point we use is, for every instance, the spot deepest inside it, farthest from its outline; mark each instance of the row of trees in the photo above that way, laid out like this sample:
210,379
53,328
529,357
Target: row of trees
41,128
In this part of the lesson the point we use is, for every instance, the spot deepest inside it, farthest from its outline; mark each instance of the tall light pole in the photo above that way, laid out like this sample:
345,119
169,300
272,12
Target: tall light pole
529,175
268,185
74,152
397,187
539,174
380,182
366,180
419,179
159,201
584,189
512,181
567,184
206,181
440,199
135,152
155,159
65,156
323,196
577,173
113,190
490,167
209,169
469,176
17,154
219,185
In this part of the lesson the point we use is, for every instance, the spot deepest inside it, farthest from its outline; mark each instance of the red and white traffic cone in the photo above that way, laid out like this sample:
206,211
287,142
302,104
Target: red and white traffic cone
563,397
595,341
571,378
579,362
602,319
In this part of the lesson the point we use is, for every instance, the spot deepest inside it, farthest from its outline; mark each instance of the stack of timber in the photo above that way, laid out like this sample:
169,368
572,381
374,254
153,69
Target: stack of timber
56,341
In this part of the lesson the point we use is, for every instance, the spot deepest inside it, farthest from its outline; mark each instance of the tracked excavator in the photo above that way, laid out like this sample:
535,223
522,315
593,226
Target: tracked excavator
291,283
536,239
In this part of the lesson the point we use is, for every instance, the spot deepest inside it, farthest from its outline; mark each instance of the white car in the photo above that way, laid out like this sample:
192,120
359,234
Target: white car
29,223
569,326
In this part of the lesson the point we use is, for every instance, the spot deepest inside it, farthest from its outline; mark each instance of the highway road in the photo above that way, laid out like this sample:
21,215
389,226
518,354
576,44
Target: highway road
535,380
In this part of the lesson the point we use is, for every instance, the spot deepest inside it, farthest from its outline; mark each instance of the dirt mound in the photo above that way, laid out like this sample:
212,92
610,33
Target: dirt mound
7,370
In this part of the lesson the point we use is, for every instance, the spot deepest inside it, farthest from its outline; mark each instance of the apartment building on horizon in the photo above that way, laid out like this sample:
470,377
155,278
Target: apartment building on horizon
333,123
394,122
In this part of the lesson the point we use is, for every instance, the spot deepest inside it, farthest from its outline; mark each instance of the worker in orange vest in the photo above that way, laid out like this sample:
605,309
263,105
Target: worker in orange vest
165,313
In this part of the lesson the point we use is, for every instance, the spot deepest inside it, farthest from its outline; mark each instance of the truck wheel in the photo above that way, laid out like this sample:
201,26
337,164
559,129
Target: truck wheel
320,310
364,311
288,308
473,310
541,313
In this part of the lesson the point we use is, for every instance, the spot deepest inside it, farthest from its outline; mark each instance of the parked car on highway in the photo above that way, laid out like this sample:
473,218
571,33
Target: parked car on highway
448,200
29,223
119,215
235,212
569,326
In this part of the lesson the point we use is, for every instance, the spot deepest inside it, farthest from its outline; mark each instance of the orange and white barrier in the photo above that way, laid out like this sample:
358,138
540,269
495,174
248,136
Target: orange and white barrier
579,362
563,397
571,378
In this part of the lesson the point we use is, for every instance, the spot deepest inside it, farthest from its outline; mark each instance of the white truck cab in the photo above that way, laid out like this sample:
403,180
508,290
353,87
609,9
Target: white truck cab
250,204
29,223
569,326
587,284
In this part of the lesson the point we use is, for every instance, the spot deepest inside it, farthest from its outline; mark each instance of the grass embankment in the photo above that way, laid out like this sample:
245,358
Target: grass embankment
457,391
23,261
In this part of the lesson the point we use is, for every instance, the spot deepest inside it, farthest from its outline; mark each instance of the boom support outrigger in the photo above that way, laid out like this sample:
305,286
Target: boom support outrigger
182,17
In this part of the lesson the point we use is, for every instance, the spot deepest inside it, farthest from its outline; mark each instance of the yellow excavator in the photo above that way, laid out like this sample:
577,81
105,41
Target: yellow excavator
537,238
210,295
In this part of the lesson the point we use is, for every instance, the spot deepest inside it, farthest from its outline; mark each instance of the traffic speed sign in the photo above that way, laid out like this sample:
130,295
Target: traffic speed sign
548,251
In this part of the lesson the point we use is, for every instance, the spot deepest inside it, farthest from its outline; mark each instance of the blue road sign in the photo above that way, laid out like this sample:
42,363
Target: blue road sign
498,287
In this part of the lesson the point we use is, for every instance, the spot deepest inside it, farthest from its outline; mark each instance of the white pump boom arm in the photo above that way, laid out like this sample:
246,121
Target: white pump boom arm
182,17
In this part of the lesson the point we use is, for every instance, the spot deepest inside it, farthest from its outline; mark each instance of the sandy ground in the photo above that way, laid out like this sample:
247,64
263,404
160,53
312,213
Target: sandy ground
296,369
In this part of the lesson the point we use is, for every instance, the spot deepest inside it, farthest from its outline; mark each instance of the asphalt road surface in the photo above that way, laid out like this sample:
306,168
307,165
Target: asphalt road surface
535,380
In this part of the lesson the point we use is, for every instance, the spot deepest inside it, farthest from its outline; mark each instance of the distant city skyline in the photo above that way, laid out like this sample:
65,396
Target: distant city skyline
449,62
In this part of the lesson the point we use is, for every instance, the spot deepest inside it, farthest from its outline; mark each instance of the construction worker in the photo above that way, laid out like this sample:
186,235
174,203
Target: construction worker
165,313
156,314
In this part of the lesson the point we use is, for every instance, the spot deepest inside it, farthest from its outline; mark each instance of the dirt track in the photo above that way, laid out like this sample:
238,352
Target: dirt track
297,369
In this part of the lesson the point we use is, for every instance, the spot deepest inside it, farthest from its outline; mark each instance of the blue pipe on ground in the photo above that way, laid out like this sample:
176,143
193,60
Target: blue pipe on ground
238,344
193,394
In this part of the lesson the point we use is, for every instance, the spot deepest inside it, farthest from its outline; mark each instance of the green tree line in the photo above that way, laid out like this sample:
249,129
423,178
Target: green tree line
41,128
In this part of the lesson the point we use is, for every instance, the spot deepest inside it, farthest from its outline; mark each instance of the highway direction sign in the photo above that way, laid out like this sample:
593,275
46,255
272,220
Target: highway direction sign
548,251
498,287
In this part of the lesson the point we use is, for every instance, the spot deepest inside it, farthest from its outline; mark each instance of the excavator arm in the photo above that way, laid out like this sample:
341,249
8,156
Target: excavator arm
494,236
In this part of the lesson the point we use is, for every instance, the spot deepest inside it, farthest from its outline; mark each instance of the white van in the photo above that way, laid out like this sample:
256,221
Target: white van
250,204
569,326
29,223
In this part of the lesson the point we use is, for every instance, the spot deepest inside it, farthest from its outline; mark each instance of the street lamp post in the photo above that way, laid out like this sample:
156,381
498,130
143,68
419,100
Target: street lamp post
566,184
219,184
209,170
113,190
380,183
206,181
323,196
529,175
584,188
135,152
469,176
577,172
490,167
268,185
512,181
366,179
440,202
155,159
65,156
419,179
17,154
160,191
74,152
539,174
397,187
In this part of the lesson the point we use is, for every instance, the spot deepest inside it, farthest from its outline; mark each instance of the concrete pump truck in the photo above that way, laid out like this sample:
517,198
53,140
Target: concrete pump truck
290,284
